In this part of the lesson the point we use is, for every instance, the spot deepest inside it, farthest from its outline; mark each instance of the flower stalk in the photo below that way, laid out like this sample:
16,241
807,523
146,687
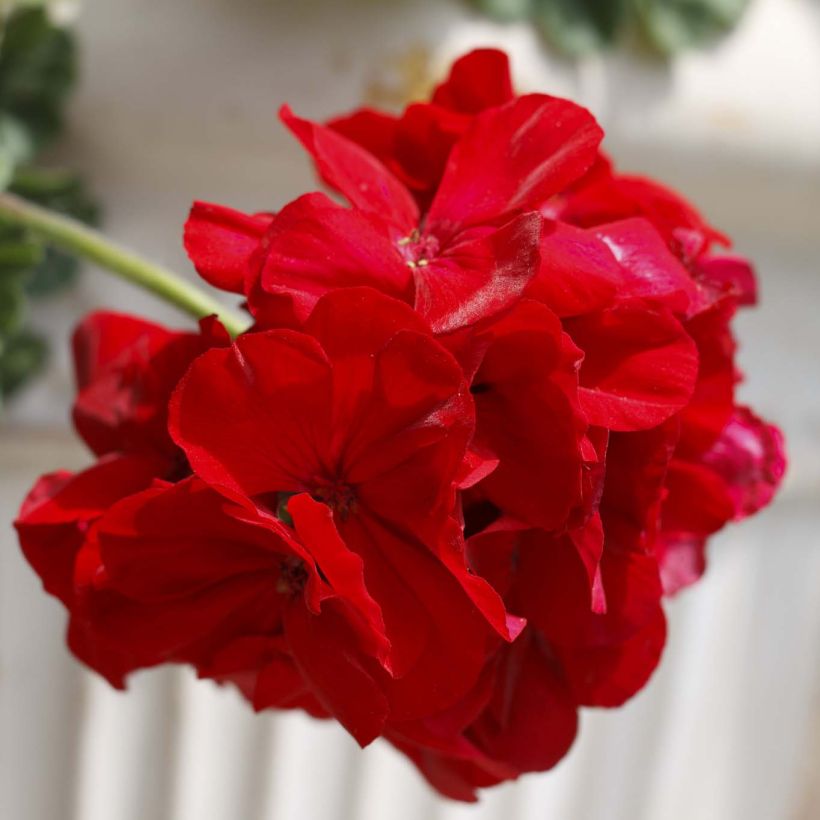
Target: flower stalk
85,242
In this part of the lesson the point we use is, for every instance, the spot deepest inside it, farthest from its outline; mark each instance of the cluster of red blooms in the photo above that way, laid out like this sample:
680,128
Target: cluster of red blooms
483,422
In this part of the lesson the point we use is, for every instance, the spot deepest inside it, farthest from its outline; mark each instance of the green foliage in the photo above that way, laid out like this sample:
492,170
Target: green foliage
672,25
37,71
580,26
576,27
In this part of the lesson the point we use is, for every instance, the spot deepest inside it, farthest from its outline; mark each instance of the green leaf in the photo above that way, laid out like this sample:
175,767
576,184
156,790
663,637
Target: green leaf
506,9
15,147
673,25
19,255
12,302
37,71
21,356
578,27
58,191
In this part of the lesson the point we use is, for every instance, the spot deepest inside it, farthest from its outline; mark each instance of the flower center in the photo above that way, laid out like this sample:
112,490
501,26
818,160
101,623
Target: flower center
339,496
292,576
417,250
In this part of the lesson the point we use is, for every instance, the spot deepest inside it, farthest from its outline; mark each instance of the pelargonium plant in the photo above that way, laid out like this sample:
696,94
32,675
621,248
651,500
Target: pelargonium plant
480,422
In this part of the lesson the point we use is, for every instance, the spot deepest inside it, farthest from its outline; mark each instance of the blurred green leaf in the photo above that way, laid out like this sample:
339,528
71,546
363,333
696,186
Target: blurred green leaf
506,9
37,71
673,25
15,147
63,192
20,355
578,27
19,255
12,302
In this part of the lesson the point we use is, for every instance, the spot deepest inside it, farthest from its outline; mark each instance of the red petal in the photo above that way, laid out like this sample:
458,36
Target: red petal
475,278
335,676
750,457
478,80
343,571
639,366
221,241
315,245
53,521
513,159
527,415
532,720
650,271
253,417
355,173
577,274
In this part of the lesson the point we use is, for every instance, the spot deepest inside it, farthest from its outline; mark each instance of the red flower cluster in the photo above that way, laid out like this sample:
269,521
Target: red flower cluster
483,421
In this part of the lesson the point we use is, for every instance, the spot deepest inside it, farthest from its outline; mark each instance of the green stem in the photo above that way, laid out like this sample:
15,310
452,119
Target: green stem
73,236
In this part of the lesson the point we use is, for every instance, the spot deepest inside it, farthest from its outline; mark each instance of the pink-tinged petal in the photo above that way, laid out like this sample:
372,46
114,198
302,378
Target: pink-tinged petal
334,674
605,196
712,403
253,417
476,278
750,458
477,465
532,720
477,81
650,270
732,275
513,158
315,245
221,241
682,560
577,273
355,173
639,367
343,571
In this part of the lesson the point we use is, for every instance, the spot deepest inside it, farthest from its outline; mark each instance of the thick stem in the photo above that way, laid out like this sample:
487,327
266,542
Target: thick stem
89,244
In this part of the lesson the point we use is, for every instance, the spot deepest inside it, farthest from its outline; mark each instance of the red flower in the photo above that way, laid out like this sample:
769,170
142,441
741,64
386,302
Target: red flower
126,369
471,256
365,412
484,421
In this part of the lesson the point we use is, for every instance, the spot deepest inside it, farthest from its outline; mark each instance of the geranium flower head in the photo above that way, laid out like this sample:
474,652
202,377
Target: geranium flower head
484,421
